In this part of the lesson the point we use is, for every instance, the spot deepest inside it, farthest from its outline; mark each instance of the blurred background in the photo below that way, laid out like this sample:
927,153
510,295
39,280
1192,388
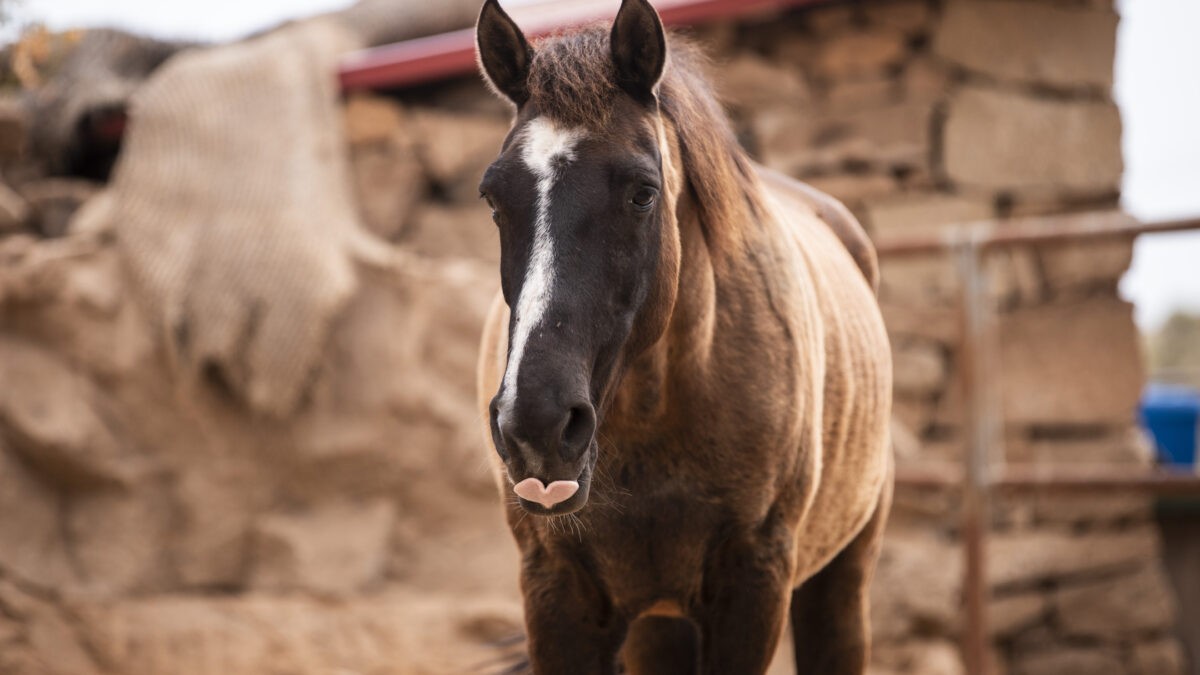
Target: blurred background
243,271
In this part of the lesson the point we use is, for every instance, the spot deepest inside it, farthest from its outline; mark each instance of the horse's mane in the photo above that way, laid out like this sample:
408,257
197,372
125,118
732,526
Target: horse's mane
572,80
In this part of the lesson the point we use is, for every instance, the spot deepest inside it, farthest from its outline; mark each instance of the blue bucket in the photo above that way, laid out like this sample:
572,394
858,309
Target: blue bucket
1172,414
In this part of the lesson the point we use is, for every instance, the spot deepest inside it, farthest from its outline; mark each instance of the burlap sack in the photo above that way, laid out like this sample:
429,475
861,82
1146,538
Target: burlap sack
232,204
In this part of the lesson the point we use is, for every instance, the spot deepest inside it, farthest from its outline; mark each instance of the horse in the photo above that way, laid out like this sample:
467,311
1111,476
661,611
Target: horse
685,375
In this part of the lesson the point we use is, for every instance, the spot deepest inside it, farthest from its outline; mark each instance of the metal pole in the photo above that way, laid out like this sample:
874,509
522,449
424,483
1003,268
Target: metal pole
981,412
979,431
1026,478
1037,231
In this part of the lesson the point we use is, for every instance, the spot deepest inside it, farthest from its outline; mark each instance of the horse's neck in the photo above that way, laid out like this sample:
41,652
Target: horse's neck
657,384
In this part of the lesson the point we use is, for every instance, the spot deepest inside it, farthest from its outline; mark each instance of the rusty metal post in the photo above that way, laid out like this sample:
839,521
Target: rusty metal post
982,413
980,434
1079,480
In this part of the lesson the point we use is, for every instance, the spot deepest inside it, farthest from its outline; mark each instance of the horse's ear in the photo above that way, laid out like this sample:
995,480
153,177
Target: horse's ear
639,48
503,52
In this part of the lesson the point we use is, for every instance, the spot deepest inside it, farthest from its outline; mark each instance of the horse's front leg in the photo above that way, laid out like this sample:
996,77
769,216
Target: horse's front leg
570,621
831,622
747,589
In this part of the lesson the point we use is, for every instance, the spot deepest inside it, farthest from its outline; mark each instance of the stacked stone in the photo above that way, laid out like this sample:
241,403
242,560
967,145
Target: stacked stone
146,532
154,524
418,163
924,116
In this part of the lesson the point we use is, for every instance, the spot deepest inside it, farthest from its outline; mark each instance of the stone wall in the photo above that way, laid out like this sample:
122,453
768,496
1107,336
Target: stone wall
147,523
152,521
922,116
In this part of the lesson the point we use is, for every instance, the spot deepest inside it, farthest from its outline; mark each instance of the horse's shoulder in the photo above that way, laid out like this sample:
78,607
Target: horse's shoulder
834,215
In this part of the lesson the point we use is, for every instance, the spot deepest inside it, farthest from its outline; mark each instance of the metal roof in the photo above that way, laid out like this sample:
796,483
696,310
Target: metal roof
438,57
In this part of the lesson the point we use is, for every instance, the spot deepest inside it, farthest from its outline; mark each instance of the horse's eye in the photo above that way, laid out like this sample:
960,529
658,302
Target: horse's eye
495,215
643,199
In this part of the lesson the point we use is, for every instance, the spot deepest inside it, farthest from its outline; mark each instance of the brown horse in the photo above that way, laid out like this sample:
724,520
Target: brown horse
686,378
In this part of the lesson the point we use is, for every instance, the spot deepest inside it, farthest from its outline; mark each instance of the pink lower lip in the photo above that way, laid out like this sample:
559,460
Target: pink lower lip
533,490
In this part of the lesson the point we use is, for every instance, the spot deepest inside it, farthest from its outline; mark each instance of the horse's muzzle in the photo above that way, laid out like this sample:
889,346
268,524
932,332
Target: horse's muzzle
545,449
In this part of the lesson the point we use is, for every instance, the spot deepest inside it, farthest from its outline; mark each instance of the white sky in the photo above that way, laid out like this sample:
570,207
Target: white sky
198,20
1157,87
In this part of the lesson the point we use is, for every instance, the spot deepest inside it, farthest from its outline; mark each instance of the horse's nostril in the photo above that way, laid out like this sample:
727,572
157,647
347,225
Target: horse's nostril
577,434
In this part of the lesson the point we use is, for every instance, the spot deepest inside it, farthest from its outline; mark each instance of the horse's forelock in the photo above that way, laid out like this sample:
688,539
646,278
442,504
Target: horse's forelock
572,80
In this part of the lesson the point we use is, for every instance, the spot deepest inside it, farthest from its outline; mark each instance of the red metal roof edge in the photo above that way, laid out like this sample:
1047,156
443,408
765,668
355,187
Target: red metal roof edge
451,54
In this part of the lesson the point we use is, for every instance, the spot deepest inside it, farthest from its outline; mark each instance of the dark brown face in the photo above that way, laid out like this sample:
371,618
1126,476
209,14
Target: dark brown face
580,215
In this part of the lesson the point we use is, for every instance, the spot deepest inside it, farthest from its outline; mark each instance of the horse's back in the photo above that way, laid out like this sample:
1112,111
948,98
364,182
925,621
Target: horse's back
836,217
839,262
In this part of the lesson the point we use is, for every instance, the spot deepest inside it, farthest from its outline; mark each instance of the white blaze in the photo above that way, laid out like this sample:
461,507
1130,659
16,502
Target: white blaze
546,148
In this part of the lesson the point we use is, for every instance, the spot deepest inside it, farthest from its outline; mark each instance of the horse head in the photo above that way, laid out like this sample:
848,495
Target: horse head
583,193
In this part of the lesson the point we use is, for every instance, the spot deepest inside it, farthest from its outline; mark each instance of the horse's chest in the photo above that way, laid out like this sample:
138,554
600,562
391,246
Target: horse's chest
653,552
659,508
